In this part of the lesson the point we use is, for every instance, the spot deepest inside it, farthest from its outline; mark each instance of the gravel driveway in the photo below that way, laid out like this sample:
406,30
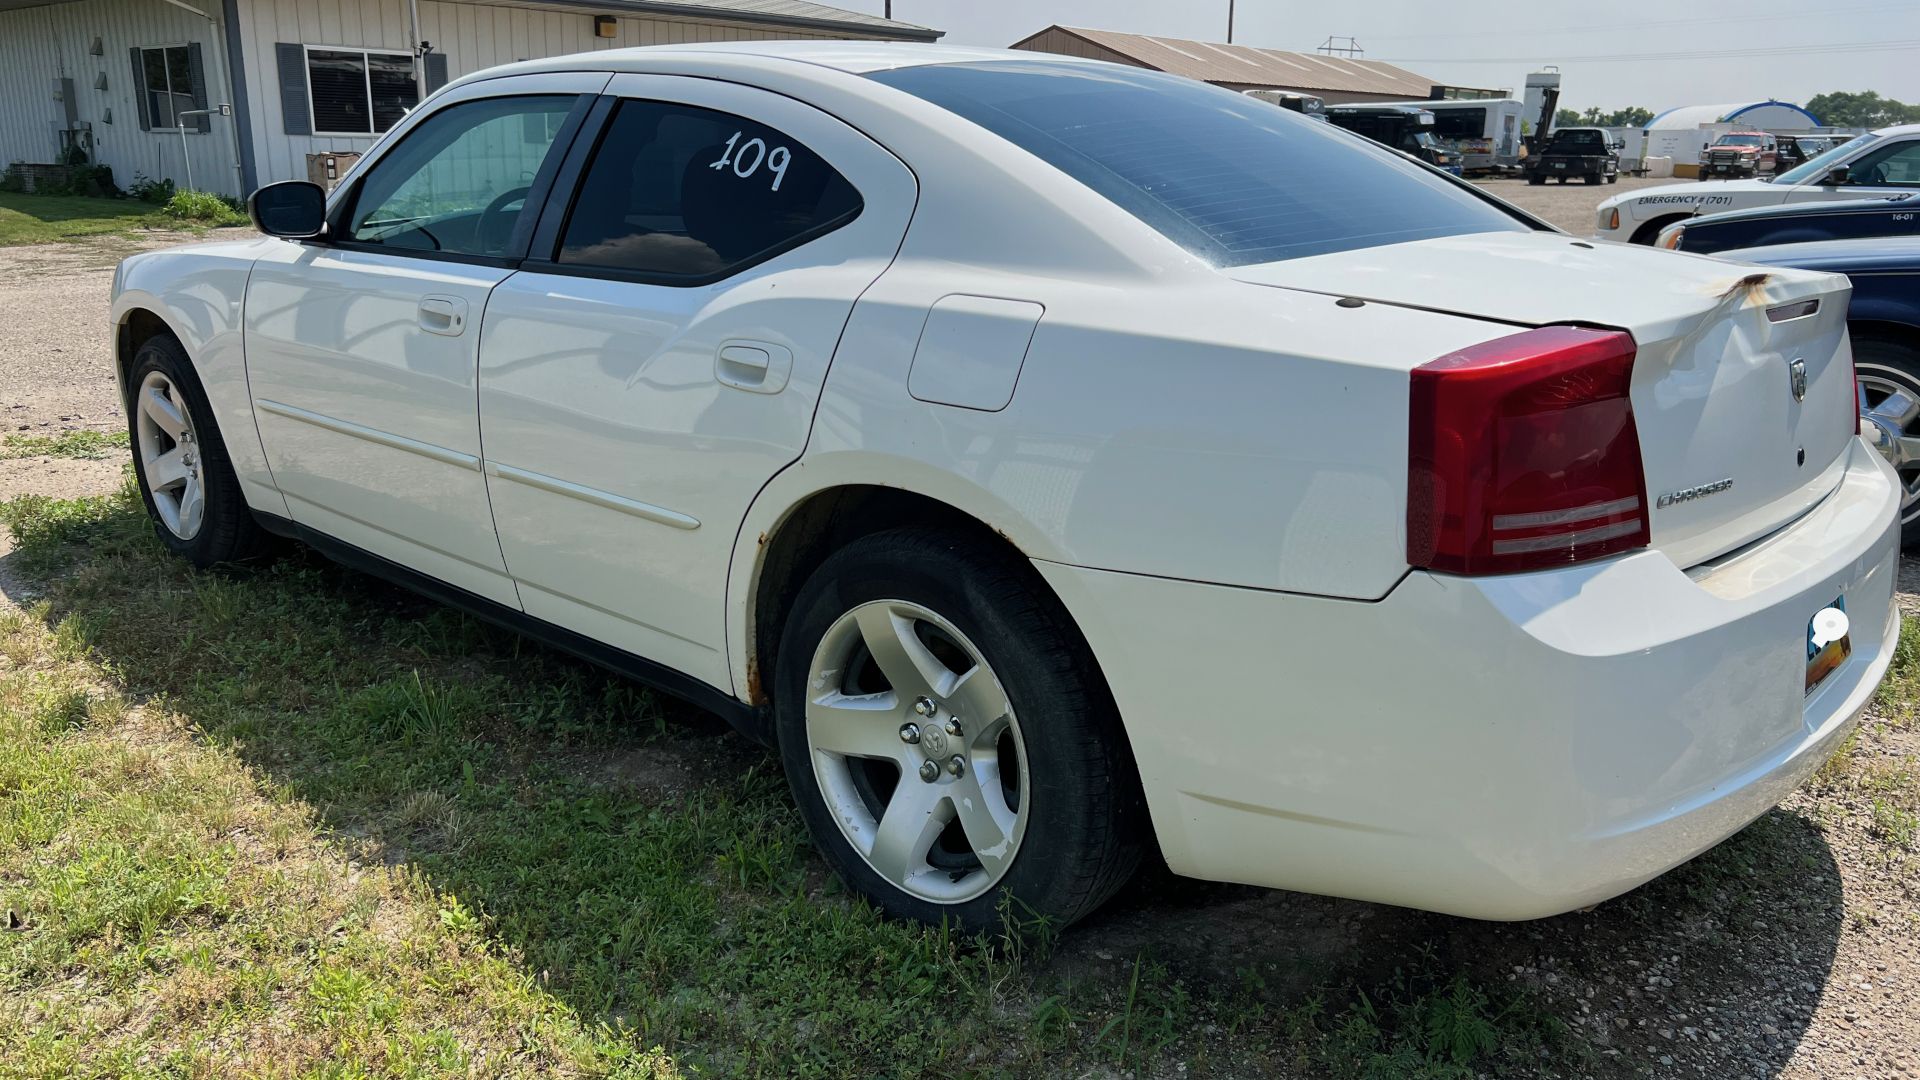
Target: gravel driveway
55,360
1792,951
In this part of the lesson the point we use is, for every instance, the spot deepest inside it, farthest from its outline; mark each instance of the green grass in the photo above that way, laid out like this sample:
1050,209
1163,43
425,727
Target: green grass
91,445
290,821
43,219
203,207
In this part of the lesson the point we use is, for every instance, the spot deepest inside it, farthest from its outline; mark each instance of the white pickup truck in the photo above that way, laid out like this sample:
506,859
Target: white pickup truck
1882,163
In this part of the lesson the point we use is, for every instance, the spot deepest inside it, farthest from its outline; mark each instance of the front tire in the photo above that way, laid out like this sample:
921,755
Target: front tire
948,739
186,479
1889,373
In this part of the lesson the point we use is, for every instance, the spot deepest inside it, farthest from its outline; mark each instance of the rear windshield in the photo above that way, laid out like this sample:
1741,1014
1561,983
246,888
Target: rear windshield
1576,142
1229,178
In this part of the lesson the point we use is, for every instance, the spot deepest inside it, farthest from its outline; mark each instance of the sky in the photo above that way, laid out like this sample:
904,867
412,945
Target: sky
1774,45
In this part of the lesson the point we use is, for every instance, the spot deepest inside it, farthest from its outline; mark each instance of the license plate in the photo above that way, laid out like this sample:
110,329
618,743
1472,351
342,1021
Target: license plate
1559,164
1829,641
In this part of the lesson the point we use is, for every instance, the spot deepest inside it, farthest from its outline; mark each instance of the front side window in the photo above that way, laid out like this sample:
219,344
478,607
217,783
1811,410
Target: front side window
359,92
686,194
169,85
1894,165
1231,179
458,182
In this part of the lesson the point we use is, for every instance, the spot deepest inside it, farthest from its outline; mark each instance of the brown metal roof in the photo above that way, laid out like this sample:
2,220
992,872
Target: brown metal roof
1243,64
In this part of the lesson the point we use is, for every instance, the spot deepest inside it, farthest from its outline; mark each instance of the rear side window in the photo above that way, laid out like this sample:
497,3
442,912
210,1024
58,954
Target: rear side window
1229,178
687,195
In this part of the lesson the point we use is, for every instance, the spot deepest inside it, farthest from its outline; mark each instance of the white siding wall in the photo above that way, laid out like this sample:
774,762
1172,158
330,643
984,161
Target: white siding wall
472,36
369,24
40,44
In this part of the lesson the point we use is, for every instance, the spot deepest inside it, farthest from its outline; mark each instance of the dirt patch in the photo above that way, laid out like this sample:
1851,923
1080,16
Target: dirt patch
1572,207
61,478
56,370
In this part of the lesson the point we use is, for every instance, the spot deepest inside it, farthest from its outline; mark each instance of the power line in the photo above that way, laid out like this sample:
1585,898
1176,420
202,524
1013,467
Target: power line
1639,26
1692,54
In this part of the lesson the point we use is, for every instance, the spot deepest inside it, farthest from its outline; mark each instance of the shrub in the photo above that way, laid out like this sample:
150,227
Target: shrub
149,190
12,180
204,207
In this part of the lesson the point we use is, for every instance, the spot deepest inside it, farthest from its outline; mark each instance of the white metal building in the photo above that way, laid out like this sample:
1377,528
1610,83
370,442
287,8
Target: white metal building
1682,133
310,76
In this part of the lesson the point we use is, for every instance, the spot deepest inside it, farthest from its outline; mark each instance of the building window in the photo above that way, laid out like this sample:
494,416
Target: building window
168,85
357,92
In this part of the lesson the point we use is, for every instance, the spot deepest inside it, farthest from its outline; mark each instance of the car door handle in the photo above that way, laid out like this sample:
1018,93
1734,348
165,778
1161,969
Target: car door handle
757,367
445,315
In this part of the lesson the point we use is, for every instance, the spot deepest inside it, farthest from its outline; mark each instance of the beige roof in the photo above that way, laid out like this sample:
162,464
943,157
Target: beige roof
1268,67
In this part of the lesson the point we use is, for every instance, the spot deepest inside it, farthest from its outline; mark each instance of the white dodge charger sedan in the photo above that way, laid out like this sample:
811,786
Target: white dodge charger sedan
1058,462
1881,163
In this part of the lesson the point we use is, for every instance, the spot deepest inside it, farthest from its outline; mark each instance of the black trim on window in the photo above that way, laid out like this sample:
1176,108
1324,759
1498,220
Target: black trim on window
543,256
558,205
538,193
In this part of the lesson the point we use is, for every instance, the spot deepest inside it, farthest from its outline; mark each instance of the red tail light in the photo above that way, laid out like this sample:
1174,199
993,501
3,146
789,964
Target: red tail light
1523,454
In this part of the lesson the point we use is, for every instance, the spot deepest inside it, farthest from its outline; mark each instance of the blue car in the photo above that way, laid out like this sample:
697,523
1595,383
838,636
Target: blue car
1795,223
1884,320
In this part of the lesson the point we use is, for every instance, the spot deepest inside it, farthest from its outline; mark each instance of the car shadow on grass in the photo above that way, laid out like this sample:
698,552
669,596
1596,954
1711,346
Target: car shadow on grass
642,863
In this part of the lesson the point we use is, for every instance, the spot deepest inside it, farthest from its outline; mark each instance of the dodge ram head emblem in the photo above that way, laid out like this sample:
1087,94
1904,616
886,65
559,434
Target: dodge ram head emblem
1797,372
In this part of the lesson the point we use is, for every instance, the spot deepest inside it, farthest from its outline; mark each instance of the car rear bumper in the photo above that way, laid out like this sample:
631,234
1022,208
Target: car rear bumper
1502,748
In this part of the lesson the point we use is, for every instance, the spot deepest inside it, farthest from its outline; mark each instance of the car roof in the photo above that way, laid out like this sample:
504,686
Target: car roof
1898,129
854,57
1836,256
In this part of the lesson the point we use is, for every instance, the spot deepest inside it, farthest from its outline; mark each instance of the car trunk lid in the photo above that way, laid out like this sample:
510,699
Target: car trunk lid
1742,383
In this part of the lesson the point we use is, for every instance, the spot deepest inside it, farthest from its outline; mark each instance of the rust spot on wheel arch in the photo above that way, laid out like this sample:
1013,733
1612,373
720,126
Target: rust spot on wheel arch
755,693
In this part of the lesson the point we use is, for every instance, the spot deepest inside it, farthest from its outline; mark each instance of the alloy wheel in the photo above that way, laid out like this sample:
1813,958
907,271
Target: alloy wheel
917,751
170,457
1894,405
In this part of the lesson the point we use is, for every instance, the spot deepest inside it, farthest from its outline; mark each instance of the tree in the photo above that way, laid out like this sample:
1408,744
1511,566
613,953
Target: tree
1865,109
1630,117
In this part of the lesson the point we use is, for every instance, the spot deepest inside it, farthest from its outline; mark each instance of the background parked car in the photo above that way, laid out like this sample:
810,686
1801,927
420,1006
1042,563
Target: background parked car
1885,162
1884,320
1795,223
1585,153
1800,149
1404,127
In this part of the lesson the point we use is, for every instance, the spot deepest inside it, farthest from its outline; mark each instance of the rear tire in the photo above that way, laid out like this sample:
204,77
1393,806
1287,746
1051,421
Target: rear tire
186,479
1537,181
1886,365
1017,779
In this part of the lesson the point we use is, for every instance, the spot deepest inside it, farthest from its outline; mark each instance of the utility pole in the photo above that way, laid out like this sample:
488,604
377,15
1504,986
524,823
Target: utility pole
1229,21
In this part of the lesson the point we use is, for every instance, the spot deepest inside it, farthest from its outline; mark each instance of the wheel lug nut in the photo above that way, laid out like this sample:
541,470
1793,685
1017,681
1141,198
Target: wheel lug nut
929,771
925,706
909,733
955,765
953,726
